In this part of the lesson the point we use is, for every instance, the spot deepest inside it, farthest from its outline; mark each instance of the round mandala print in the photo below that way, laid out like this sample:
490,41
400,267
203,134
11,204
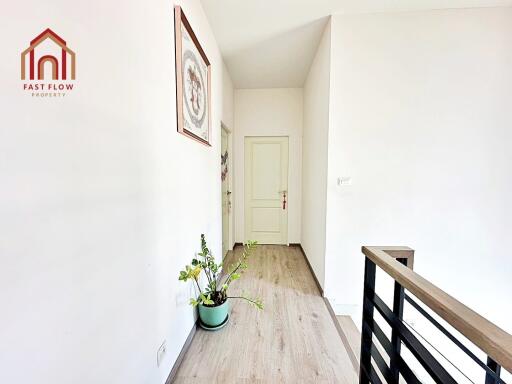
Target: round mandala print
194,89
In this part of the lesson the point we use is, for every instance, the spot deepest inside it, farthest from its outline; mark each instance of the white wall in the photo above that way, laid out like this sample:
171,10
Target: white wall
314,156
421,118
101,201
270,112
228,118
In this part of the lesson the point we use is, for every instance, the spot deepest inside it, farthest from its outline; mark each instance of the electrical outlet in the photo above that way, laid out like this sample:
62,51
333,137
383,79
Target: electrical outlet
160,354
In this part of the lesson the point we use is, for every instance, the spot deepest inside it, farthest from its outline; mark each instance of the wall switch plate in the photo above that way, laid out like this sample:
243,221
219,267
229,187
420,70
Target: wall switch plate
161,353
343,181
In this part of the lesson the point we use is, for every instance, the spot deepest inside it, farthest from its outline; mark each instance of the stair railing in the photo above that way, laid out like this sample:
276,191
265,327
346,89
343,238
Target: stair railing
398,262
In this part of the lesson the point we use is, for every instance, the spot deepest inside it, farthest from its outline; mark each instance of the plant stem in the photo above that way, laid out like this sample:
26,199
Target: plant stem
241,297
198,287
211,281
244,256
207,274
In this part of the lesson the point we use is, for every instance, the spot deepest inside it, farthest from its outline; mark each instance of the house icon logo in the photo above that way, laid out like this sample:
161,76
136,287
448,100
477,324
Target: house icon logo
48,66
48,51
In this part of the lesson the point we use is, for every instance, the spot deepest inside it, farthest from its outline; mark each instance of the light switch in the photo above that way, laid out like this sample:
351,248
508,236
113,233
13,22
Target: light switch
344,181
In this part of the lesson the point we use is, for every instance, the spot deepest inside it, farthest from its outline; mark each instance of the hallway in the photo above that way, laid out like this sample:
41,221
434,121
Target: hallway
293,340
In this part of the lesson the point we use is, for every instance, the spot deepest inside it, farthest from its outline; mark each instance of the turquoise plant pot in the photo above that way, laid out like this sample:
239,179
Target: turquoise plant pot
214,316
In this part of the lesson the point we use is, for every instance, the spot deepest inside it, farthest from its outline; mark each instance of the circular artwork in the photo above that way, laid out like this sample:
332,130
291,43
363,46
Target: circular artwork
194,89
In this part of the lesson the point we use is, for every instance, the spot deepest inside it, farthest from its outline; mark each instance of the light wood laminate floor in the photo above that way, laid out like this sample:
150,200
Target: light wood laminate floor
293,340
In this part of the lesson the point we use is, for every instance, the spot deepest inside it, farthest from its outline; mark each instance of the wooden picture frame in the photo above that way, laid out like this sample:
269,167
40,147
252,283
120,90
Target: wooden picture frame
193,82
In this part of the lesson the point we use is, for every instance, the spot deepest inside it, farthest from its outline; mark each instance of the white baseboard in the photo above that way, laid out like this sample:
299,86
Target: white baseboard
345,309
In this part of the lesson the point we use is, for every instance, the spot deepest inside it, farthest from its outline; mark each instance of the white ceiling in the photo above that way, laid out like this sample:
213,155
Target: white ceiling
271,43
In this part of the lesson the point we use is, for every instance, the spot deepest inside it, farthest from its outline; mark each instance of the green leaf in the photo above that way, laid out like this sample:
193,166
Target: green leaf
183,276
193,302
206,299
258,304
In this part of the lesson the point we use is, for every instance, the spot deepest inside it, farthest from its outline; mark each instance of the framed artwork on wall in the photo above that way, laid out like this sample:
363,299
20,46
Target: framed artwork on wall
193,82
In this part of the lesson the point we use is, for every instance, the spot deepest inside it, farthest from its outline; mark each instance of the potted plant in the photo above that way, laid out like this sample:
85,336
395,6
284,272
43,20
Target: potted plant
213,300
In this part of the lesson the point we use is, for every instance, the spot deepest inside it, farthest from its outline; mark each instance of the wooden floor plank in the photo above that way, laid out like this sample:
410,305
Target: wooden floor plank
293,340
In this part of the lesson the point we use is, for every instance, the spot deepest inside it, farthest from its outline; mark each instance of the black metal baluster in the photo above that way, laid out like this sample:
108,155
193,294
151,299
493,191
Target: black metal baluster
398,310
495,367
365,362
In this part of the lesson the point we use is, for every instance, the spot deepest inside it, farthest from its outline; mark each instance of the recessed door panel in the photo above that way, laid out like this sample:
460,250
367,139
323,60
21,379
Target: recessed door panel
266,175
266,219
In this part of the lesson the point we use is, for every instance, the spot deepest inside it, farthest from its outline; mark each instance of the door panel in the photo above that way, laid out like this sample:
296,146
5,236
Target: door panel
266,219
266,179
264,170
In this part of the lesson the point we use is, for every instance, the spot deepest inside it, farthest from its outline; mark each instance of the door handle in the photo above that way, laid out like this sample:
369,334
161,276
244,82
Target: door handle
284,199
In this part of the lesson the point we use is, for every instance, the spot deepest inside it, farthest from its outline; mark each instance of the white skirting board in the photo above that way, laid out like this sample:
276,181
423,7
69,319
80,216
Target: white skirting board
353,310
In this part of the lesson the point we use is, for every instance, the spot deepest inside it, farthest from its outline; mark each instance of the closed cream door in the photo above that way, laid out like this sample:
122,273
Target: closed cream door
266,189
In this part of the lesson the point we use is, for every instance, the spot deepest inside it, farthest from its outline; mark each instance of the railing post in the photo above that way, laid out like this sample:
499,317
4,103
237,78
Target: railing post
398,310
365,362
494,366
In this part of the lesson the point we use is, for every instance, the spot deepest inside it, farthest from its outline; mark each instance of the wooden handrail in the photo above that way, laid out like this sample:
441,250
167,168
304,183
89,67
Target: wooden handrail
491,339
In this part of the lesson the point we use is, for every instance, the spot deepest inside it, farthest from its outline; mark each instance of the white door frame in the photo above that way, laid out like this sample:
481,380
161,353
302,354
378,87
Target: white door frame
227,131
